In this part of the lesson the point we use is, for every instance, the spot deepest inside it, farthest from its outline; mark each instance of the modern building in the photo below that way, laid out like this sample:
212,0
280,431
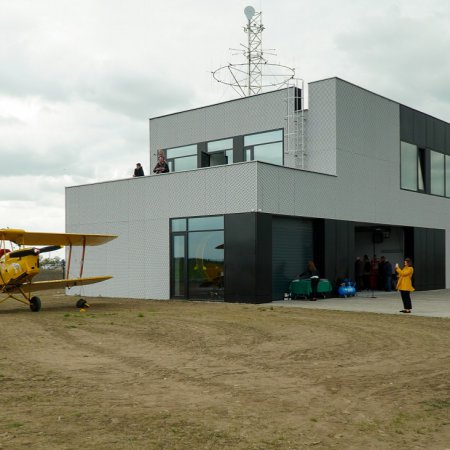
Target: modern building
260,185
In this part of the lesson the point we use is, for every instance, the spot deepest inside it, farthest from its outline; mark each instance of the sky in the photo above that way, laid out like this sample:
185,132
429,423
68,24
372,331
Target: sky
80,79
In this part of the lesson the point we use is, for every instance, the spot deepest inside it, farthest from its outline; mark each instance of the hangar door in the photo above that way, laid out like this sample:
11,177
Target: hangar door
292,248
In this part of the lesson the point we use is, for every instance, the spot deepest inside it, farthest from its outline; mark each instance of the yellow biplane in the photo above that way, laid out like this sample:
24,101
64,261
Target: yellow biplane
19,266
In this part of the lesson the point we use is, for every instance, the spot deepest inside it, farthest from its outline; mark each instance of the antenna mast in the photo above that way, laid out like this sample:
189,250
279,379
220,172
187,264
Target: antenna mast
254,51
257,73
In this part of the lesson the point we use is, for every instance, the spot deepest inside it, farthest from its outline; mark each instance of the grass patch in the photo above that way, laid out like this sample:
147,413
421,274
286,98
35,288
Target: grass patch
15,425
437,403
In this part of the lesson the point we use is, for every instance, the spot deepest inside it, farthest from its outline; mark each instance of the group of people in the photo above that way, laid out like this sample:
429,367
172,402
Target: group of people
365,268
373,273
161,167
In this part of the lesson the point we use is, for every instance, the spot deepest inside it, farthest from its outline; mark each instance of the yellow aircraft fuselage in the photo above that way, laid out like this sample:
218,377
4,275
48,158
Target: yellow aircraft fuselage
18,270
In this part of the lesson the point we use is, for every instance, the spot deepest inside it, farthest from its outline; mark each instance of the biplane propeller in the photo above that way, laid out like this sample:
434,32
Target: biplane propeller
19,267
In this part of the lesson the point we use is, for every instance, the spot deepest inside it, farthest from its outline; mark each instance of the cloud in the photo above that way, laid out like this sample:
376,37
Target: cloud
400,53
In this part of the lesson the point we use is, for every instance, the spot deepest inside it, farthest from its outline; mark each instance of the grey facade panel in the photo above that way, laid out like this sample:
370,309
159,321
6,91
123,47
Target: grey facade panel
320,128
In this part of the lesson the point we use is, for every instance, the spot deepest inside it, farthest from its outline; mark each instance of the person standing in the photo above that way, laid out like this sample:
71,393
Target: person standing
312,273
138,171
404,284
161,165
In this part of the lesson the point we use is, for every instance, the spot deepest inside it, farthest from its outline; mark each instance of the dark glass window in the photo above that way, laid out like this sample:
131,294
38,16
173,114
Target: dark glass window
197,258
182,158
205,223
178,266
267,147
178,225
206,264
408,163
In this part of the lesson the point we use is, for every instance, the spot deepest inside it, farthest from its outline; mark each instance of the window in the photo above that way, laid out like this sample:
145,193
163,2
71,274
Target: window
197,257
447,176
412,162
437,173
266,147
219,152
182,158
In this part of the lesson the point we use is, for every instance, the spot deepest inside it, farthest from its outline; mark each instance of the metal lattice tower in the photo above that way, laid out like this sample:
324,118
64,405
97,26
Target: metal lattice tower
257,73
254,52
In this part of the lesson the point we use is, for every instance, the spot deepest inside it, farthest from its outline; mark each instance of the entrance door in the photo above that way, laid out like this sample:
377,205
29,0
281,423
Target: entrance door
179,274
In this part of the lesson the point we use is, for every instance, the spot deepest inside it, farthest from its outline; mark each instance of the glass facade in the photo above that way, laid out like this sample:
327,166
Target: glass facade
424,170
408,165
266,146
182,158
178,266
197,258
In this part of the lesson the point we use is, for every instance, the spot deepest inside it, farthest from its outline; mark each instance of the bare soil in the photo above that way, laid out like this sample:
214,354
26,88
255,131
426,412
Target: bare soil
129,374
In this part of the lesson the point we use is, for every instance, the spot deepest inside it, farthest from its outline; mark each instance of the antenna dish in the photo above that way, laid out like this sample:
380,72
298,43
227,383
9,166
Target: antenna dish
249,12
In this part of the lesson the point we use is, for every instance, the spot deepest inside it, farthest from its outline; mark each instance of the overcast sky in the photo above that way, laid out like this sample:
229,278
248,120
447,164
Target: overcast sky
80,79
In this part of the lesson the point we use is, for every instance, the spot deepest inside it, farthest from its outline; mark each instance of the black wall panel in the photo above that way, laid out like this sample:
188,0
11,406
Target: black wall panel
429,259
423,130
248,256
339,249
292,248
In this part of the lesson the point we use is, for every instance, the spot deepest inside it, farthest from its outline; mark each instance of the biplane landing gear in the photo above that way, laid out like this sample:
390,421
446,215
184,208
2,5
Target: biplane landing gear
82,303
35,304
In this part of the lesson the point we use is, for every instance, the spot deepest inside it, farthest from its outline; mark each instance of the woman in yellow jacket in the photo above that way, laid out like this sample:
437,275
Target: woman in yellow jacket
404,284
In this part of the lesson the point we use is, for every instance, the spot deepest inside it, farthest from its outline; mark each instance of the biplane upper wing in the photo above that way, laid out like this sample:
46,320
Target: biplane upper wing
57,284
22,237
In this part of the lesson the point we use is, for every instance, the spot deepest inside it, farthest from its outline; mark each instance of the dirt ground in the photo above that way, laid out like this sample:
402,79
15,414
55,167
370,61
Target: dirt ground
128,374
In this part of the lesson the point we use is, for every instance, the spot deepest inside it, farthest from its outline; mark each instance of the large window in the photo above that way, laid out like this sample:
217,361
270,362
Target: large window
424,170
182,158
197,258
220,152
411,167
266,147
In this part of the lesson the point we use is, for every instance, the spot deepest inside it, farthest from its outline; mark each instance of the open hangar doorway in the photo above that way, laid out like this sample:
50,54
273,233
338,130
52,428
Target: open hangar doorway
380,240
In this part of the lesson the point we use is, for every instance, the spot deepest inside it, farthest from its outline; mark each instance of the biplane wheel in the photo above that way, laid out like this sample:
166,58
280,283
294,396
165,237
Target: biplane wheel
81,303
35,304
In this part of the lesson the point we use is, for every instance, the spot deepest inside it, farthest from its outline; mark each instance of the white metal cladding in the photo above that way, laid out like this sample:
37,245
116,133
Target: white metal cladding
320,127
238,117
138,210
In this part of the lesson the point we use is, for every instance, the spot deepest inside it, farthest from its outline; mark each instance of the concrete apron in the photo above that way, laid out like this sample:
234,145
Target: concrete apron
424,303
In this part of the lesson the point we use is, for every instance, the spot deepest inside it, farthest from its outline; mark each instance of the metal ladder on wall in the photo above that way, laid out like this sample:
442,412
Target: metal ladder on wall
294,145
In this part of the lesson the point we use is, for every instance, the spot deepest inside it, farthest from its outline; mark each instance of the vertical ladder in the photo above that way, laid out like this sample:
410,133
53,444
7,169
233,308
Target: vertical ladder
294,130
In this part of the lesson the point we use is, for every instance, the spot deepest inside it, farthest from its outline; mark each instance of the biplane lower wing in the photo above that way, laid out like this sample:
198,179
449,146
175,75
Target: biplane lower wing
56,284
